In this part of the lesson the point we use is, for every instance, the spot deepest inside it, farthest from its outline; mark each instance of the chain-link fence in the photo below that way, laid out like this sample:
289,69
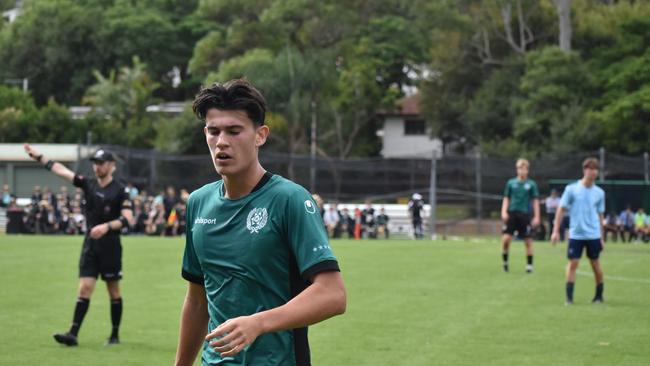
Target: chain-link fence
472,184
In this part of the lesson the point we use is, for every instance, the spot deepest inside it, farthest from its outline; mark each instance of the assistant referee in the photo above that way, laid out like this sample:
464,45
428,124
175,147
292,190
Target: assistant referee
107,212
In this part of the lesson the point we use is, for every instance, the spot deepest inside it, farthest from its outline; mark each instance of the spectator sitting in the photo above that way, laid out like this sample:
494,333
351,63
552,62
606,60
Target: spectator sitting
140,217
331,219
15,217
185,195
79,220
132,191
382,223
45,218
65,224
641,225
179,224
6,196
611,225
347,223
36,195
156,223
626,220
368,228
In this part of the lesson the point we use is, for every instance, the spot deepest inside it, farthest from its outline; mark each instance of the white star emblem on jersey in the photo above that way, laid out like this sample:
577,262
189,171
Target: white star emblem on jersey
256,220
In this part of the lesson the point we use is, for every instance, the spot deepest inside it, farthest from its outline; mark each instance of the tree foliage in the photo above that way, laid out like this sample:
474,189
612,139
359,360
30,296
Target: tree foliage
490,73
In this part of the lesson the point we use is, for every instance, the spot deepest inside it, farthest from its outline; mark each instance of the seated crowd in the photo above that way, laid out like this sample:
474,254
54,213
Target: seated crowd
366,222
62,212
635,224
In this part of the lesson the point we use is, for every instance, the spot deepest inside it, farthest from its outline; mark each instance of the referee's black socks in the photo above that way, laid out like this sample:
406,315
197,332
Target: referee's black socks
80,310
116,316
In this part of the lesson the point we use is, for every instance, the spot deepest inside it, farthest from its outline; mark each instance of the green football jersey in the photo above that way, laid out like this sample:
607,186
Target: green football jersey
520,193
253,254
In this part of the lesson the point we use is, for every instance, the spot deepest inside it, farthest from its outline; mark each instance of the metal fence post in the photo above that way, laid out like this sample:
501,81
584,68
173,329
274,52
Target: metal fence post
646,167
602,173
152,173
432,196
479,199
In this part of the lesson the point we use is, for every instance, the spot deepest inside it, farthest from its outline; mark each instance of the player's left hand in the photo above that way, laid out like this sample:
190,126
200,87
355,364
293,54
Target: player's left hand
98,231
236,334
535,222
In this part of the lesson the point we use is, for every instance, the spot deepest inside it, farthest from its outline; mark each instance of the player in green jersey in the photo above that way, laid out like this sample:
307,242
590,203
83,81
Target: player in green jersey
257,257
520,194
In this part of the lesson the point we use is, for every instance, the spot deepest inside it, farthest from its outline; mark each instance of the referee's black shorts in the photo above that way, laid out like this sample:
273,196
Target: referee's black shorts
518,222
101,257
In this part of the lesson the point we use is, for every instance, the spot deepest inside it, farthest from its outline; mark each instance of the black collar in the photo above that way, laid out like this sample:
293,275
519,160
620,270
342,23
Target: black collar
265,179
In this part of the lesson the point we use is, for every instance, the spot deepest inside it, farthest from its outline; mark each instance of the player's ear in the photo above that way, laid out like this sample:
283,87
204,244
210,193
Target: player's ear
261,133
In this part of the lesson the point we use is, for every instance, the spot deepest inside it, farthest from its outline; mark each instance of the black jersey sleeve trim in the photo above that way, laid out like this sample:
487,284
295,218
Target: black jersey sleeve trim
325,266
192,278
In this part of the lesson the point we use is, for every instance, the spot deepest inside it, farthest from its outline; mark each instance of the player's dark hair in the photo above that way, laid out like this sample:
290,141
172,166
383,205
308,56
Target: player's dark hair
591,163
234,95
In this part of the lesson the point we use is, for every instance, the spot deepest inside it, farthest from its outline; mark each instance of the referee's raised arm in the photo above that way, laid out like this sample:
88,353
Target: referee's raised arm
55,167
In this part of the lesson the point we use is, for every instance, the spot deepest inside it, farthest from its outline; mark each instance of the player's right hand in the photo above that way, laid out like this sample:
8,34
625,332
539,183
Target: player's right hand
33,153
555,237
505,216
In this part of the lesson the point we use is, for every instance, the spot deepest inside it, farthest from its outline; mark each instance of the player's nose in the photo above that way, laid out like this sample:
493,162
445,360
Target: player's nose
222,141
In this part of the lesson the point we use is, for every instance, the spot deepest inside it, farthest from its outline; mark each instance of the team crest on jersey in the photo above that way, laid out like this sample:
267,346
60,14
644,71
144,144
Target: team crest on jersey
256,220
526,186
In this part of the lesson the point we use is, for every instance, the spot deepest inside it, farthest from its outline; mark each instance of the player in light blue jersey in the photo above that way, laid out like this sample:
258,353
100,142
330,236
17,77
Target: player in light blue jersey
585,203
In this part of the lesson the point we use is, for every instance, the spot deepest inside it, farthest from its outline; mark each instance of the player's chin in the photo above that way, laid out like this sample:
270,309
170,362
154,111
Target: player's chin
225,169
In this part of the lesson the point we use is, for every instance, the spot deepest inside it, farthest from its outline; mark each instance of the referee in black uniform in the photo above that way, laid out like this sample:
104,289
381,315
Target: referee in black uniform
107,211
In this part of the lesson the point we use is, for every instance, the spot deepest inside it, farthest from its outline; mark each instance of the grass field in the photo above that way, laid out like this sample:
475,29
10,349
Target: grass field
409,303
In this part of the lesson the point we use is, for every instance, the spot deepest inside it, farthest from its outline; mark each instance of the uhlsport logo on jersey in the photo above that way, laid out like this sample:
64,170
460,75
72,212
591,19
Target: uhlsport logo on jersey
204,221
310,207
256,220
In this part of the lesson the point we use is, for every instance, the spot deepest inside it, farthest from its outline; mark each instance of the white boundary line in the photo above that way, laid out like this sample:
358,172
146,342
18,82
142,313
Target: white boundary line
616,278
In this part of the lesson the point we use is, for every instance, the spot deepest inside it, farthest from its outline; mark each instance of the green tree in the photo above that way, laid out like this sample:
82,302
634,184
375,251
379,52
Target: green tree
554,89
120,102
623,110
17,109
52,44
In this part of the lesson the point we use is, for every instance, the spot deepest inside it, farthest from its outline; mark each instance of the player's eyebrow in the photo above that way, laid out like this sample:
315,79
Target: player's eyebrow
230,128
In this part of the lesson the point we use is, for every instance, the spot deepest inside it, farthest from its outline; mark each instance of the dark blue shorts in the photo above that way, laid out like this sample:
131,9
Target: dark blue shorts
576,247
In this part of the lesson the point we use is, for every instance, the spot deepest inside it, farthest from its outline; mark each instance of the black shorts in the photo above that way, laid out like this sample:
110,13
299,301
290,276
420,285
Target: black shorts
519,222
101,257
574,251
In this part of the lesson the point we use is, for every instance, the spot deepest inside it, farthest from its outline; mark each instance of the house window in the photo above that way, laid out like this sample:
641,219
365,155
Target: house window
414,127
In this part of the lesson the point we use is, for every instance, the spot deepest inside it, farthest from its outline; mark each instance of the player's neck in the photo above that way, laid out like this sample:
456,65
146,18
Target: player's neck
106,180
587,182
237,186
521,178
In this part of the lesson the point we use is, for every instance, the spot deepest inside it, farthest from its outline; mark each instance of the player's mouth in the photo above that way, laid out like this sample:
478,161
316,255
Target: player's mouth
222,157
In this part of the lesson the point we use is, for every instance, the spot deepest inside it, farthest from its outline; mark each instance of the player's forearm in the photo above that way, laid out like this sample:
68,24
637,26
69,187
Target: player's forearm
558,219
316,303
504,206
55,167
193,328
536,209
